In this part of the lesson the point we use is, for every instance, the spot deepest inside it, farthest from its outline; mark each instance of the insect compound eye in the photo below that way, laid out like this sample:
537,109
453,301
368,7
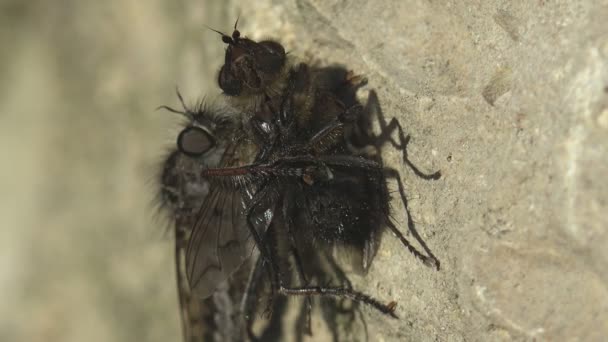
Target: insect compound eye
273,48
229,83
273,58
194,141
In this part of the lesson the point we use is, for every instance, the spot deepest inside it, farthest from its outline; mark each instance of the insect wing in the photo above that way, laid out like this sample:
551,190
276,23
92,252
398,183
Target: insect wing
182,193
221,240
193,310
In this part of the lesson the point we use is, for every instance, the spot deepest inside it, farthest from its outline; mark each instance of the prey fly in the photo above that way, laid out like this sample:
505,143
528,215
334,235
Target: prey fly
320,194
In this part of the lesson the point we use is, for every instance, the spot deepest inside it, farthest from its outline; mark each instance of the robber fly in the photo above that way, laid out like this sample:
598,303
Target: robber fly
209,221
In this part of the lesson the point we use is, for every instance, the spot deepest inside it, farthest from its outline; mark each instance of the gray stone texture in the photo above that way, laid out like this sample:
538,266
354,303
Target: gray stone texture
508,99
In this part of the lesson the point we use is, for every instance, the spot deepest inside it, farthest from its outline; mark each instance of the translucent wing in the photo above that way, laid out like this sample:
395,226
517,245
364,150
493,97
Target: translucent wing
218,317
195,312
221,241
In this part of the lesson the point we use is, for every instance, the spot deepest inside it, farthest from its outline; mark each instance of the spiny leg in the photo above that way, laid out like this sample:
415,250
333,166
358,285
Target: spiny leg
266,262
264,248
256,200
340,292
332,133
248,304
299,267
343,319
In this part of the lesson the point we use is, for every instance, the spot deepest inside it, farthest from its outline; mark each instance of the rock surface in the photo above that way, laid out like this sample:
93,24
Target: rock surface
508,100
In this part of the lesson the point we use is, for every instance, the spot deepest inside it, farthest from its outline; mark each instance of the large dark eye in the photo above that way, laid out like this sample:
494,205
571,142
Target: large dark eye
229,83
273,58
194,141
273,48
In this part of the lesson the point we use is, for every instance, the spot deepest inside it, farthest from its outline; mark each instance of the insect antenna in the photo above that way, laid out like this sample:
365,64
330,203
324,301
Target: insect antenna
236,23
225,38
186,112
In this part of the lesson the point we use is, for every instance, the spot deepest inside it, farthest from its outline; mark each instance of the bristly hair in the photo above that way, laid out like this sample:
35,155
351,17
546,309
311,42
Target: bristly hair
202,113
215,119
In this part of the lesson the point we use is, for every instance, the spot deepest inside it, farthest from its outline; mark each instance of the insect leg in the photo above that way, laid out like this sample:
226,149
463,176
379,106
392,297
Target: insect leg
264,248
298,261
248,303
333,132
256,200
341,292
